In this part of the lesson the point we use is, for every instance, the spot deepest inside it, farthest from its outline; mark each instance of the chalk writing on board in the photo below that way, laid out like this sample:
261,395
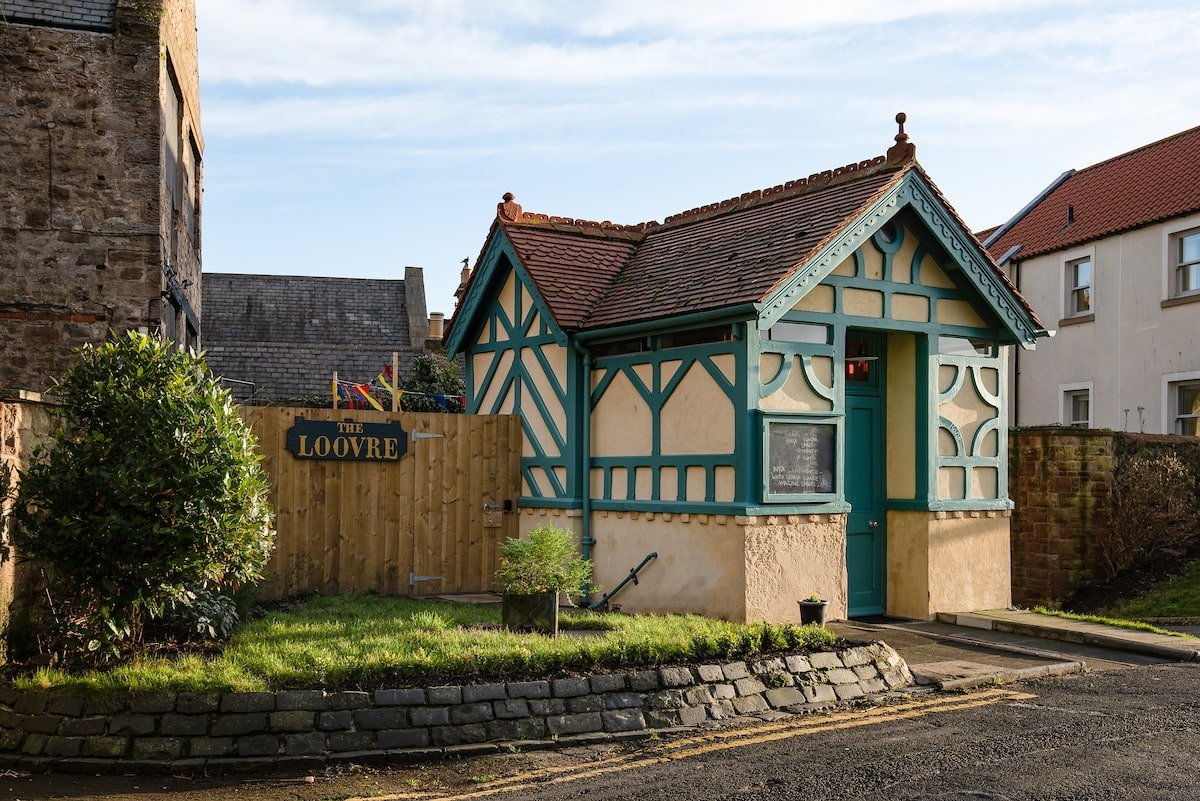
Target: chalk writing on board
801,458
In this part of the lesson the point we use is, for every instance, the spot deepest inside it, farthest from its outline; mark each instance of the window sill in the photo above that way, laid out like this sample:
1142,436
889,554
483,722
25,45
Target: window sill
1076,320
1181,300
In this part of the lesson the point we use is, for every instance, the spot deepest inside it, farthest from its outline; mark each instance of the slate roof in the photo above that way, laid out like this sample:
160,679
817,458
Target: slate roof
1155,182
289,334
90,15
596,275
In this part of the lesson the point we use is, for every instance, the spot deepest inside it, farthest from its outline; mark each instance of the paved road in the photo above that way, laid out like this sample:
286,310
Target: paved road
1132,733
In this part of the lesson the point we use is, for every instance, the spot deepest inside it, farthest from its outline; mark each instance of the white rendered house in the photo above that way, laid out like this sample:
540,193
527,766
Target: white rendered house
1110,257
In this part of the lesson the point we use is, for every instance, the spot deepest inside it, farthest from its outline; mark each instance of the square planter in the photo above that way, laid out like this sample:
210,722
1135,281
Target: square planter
537,612
812,612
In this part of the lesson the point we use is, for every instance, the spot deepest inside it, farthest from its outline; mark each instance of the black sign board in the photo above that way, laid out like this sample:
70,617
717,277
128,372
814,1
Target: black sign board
801,458
347,440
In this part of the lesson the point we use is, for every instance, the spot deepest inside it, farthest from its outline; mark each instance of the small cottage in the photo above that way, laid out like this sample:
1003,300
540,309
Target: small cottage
797,391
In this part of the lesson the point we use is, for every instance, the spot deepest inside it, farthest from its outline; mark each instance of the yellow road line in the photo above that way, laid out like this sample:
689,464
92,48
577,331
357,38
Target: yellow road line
688,747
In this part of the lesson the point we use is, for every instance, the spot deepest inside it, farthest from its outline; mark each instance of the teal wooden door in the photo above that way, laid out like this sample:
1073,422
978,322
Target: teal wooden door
866,536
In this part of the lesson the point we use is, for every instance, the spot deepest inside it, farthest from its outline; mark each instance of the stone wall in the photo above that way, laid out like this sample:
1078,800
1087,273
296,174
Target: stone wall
81,233
1060,480
302,729
289,334
24,424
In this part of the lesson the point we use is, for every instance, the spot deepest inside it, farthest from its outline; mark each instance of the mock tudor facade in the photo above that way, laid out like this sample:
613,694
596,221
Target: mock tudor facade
100,190
1112,254
795,391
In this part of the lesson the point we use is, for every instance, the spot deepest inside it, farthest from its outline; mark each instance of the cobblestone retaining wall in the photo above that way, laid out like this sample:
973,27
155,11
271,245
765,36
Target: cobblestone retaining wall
302,729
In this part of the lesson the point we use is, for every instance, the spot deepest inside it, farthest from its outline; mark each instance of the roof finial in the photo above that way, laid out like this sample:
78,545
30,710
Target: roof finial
509,210
903,150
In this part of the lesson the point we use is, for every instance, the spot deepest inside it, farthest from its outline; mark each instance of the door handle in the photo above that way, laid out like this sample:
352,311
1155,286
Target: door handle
873,524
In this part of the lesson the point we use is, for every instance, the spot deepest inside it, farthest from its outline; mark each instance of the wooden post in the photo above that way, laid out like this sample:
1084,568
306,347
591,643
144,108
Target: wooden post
335,391
395,381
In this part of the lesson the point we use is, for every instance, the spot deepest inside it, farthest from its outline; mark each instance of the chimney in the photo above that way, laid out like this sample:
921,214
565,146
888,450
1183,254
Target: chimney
437,325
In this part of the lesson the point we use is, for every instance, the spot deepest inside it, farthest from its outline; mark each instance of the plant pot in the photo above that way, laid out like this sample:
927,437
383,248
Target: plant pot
537,612
812,612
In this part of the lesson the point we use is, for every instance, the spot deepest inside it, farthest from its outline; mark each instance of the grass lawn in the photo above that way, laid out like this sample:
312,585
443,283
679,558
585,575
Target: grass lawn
373,641
1178,597
1119,622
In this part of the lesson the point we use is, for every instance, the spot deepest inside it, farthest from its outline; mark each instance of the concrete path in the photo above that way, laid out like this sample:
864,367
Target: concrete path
1016,621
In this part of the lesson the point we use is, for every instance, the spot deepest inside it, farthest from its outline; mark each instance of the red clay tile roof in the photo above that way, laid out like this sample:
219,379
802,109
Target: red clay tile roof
594,275
1155,182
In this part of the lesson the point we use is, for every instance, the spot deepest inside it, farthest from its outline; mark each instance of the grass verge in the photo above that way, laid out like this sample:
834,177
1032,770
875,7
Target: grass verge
372,641
1121,623
1178,597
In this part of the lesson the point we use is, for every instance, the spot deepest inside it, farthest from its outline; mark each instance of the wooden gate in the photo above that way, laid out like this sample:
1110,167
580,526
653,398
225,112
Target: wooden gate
417,526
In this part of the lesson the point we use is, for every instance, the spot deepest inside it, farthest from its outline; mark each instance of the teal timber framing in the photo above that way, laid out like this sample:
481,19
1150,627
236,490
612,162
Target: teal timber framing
931,396
525,331
619,473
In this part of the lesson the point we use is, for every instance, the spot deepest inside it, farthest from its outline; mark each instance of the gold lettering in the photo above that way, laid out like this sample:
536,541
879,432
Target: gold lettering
301,445
356,445
321,446
350,428
373,448
340,447
391,449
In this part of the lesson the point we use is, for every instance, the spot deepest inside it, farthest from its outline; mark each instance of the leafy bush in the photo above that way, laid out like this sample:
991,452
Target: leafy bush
1155,509
206,615
544,561
432,373
151,488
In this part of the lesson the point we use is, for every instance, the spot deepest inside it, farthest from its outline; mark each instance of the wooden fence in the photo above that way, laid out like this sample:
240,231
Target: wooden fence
354,526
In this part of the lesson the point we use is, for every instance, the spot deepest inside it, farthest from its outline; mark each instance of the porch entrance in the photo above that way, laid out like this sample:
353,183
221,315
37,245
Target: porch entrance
866,536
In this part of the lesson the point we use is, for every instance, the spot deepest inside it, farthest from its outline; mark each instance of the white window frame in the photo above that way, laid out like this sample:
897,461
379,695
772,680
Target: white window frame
1065,391
1171,234
1169,382
1065,262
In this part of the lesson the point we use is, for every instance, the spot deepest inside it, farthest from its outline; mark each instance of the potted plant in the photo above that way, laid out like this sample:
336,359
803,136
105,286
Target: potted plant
812,610
533,570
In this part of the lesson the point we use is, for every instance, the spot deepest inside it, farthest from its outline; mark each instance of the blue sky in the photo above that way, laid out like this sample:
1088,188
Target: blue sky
352,138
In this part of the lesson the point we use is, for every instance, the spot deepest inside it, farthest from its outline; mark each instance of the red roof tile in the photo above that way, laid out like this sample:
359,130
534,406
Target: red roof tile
1155,182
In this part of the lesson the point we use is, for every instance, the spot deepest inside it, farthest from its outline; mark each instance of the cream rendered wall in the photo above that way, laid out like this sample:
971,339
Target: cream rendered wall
1132,343
947,562
791,557
700,566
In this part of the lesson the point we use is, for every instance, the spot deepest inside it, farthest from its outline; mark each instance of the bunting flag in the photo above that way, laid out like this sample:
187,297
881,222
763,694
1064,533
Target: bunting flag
439,399
364,392
462,401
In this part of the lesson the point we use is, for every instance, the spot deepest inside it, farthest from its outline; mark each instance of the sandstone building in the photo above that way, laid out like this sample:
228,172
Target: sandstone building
100,178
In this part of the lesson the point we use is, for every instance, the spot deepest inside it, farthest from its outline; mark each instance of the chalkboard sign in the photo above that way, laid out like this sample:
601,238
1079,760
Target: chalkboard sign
801,458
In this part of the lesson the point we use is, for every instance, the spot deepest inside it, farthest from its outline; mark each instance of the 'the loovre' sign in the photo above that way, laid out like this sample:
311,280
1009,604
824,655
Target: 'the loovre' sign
330,439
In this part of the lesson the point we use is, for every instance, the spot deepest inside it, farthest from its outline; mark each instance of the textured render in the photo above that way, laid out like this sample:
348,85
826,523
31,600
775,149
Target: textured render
792,557
947,561
84,234
700,566
289,334
213,732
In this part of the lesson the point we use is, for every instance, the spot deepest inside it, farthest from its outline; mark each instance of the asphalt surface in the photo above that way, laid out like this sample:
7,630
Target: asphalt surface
1128,732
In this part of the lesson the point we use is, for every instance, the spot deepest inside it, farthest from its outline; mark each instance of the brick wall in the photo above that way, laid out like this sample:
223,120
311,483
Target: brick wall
289,334
81,229
1061,480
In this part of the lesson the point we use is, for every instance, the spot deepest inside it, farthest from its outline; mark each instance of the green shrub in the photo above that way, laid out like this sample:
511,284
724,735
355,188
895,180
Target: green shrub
432,373
151,488
544,561
204,615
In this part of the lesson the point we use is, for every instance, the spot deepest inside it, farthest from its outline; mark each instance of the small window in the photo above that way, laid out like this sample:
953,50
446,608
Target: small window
1186,262
697,336
784,331
1079,287
1186,407
622,347
962,346
1077,408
